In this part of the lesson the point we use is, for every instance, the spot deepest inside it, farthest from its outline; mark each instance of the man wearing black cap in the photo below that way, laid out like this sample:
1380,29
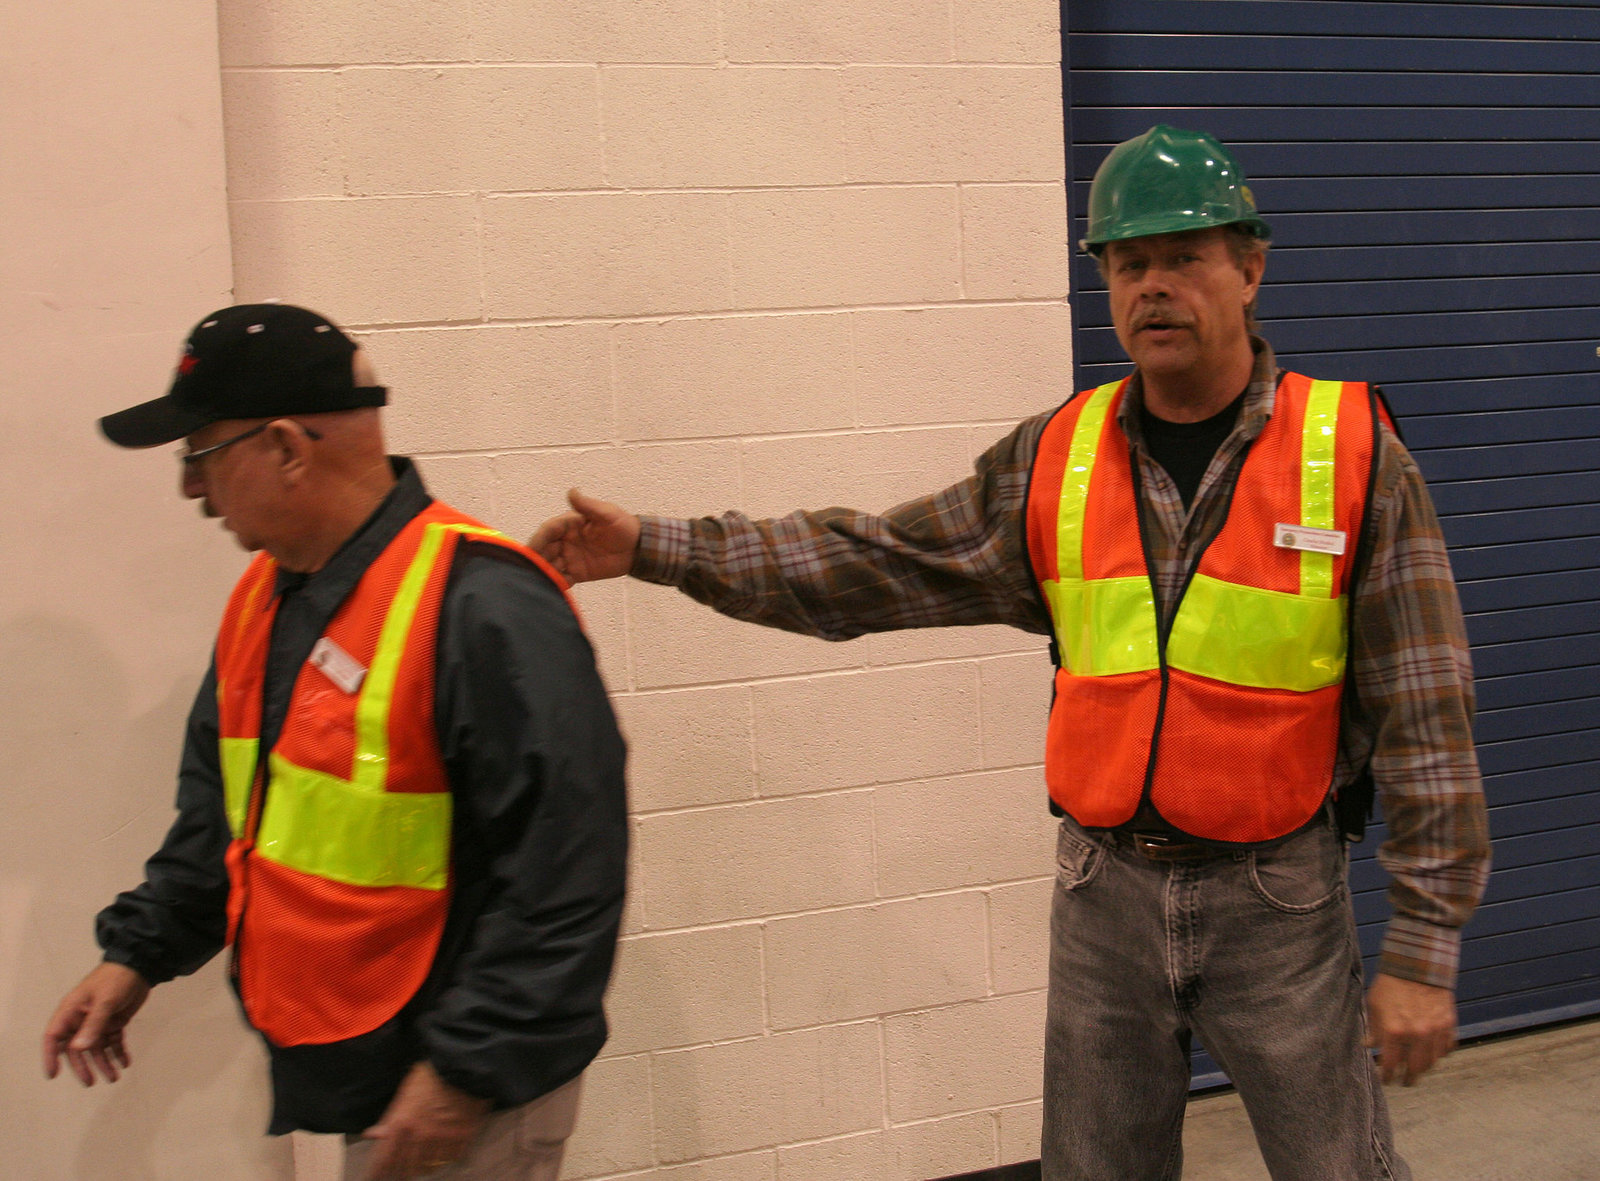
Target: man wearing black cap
401,796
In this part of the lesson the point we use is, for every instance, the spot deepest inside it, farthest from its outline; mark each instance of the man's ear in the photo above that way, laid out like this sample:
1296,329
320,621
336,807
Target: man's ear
1254,266
291,449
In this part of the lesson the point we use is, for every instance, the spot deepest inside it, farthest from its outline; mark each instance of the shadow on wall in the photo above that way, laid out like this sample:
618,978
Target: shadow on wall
87,793
646,1011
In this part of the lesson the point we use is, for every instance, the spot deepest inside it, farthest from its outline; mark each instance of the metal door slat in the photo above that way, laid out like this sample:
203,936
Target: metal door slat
1517,525
1493,660
1538,719
1537,816
1413,157
1552,390
1290,300
1267,17
1342,125
1505,425
1274,51
1184,85
1567,779
1565,684
1487,460
1551,750
1502,594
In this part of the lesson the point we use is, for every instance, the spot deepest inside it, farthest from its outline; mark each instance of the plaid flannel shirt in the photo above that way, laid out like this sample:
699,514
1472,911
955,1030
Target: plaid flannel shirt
960,557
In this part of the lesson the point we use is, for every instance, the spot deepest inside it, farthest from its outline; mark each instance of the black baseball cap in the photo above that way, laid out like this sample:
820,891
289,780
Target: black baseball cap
253,360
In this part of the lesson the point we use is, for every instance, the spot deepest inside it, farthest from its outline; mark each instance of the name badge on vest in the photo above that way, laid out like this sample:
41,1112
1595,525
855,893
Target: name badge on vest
338,665
1304,537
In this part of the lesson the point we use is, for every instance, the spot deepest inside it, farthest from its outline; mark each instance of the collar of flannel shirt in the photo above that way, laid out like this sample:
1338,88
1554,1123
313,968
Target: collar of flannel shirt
1259,397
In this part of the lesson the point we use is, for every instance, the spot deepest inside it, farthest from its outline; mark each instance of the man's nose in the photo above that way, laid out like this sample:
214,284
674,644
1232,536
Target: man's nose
191,482
1157,280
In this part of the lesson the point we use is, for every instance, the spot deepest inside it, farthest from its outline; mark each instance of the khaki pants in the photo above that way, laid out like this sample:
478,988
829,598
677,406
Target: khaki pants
522,1144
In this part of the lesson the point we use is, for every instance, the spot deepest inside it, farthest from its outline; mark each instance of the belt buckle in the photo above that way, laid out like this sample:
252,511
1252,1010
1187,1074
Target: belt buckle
1160,848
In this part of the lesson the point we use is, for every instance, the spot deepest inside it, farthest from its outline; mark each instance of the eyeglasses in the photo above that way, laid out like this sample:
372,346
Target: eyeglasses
190,458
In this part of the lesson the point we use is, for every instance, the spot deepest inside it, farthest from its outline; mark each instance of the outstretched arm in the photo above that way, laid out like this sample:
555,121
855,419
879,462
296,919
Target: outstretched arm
958,556
87,1025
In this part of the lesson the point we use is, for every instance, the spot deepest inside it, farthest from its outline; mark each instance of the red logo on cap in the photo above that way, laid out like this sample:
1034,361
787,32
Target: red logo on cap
186,364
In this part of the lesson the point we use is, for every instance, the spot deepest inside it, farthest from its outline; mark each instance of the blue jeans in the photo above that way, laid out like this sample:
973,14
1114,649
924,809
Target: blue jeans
1253,952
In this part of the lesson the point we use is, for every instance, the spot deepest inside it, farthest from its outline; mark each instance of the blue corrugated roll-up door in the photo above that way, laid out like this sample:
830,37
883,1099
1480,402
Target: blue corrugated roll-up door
1431,173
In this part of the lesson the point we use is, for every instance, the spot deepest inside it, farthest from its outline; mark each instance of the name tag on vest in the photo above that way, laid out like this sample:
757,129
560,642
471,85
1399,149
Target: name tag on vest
1318,541
338,665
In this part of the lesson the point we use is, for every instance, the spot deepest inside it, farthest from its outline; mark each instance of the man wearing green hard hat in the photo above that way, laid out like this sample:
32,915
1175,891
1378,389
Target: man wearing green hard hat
1253,625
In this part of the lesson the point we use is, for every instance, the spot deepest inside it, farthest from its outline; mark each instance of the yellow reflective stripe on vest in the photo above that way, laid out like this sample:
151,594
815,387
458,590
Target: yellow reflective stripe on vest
1245,635
356,831
1085,445
1237,634
332,828
238,755
1317,482
1105,626
370,772
238,770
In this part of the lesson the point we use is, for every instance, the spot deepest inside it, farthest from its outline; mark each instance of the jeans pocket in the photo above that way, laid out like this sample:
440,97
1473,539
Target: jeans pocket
1302,875
1078,858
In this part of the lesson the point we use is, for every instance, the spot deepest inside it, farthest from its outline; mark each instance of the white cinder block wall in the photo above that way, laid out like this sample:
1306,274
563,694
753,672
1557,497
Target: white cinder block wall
693,255
113,238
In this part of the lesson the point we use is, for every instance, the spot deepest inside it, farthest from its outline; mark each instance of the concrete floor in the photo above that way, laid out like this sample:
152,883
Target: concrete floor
1520,1108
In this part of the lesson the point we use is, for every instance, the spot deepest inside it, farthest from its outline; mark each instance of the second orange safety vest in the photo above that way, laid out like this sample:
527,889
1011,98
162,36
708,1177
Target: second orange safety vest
339,866
1226,719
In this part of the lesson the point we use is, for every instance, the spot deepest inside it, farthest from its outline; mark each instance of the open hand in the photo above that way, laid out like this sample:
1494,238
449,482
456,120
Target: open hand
595,539
87,1025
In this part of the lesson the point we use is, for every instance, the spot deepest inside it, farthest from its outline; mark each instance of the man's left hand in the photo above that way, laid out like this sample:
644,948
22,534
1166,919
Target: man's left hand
1412,1025
427,1126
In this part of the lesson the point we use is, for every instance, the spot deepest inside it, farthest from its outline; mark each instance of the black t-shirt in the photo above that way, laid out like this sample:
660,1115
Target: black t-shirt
1185,449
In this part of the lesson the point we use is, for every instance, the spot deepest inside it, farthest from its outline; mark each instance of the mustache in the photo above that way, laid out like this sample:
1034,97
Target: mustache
1161,314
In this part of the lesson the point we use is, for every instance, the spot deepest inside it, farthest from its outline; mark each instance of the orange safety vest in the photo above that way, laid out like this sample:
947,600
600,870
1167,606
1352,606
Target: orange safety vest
1228,721
339,866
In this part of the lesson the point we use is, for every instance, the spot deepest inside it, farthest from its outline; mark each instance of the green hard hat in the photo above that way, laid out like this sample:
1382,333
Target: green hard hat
1166,181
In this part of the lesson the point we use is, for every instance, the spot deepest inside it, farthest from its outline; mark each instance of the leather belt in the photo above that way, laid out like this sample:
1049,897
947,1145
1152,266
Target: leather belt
1159,848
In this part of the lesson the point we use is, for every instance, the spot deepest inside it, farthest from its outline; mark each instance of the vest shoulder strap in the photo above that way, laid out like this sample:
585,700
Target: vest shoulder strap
1353,804
469,529
1051,448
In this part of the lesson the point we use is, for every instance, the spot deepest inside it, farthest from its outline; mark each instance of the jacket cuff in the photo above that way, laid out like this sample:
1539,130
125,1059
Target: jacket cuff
152,974
663,553
1421,951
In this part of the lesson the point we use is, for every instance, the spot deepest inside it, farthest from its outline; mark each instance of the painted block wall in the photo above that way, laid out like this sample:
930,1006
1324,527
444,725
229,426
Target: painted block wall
115,240
694,255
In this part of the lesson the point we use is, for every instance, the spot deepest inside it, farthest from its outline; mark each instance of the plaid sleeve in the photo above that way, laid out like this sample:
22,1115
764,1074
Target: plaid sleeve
956,557
1414,679
663,553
